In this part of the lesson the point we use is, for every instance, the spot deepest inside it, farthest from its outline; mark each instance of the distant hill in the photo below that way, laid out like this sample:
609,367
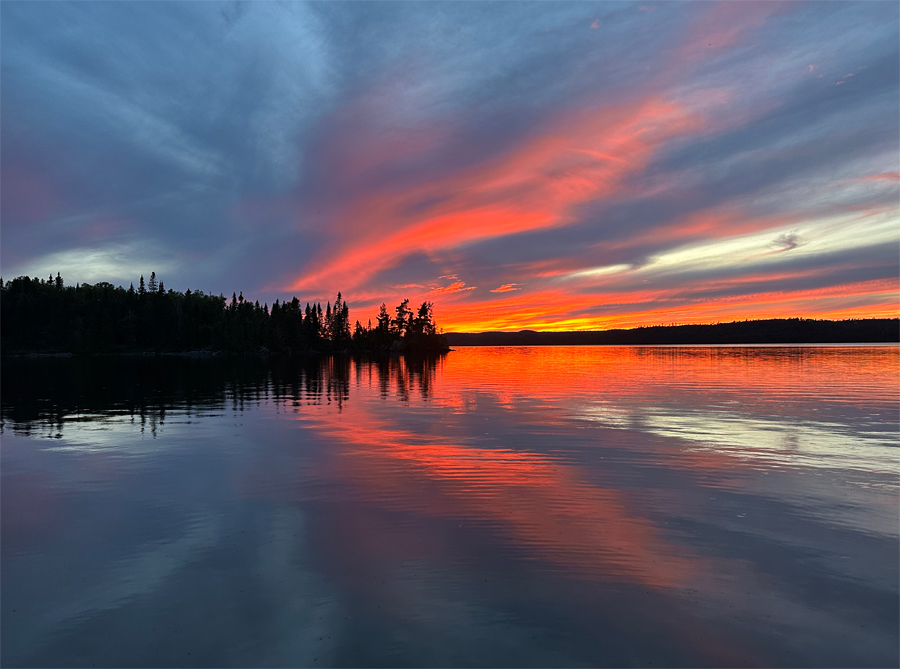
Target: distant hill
773,331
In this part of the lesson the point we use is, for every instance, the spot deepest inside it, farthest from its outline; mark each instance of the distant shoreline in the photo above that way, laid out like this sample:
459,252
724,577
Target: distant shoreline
853,344
205,355
771,332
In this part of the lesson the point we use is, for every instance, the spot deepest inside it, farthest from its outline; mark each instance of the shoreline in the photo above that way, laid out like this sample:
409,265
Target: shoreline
270,354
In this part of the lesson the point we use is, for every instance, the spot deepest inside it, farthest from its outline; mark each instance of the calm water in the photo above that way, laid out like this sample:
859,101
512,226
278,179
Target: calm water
507,506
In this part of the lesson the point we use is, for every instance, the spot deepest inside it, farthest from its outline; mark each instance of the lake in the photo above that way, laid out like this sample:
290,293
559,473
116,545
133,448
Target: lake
548,506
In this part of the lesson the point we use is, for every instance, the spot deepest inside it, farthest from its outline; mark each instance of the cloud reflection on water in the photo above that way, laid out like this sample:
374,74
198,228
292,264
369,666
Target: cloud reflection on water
687,506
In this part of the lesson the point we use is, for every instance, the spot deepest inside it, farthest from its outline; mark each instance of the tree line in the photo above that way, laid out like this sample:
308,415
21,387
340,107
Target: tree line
45,315
768,331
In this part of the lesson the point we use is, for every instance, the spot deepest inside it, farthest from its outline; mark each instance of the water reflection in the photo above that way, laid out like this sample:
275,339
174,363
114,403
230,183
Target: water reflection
545,506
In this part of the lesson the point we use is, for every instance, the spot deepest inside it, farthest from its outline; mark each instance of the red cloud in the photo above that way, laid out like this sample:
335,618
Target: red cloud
505,288
580,157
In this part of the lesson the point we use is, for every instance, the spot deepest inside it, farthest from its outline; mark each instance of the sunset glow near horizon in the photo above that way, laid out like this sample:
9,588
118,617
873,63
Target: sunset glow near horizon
547,166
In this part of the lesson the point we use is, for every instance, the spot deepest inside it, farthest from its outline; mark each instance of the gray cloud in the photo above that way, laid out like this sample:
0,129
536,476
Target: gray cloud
221,137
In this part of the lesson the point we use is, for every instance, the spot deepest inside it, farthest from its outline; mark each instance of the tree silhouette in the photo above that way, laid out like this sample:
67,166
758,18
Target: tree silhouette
45,315
383,319
404,318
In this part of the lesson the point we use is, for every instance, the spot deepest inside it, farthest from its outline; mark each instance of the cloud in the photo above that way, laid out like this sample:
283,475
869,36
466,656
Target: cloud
656,172
119,263
887,176
455,287
578,157
787,241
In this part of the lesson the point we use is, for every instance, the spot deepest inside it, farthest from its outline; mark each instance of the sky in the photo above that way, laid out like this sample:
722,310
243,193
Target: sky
522,165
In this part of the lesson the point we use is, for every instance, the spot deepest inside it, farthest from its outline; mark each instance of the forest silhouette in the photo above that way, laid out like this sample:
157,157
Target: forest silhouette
38,315
46,316
765,331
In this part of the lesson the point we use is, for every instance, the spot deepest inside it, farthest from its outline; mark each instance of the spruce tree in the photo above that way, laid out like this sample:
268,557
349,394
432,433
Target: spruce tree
384,319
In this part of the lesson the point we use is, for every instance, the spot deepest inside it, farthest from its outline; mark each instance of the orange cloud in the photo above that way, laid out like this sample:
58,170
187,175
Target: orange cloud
556,309
505,288
580,157
454,287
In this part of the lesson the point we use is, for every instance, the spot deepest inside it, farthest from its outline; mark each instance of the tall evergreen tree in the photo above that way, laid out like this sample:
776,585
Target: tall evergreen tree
383,319
403,319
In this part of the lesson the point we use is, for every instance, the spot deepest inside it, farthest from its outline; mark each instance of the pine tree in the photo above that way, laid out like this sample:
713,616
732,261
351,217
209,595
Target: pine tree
424,321
384,319
404,318
151,285
141,289
327,329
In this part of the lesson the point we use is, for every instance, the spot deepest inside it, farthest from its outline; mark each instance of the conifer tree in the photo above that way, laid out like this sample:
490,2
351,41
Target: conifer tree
403,319
326,330
384,319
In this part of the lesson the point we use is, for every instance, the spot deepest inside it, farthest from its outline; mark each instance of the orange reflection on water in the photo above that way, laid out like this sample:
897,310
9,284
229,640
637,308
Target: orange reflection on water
475,438
755,375
547,507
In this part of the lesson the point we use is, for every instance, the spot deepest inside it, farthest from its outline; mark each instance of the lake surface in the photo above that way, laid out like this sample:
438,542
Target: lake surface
557,506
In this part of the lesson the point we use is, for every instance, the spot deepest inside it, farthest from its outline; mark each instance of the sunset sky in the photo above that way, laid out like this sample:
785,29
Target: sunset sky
541,165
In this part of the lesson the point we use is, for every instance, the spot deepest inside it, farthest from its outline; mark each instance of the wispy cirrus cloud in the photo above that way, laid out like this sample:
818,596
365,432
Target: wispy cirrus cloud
586,166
